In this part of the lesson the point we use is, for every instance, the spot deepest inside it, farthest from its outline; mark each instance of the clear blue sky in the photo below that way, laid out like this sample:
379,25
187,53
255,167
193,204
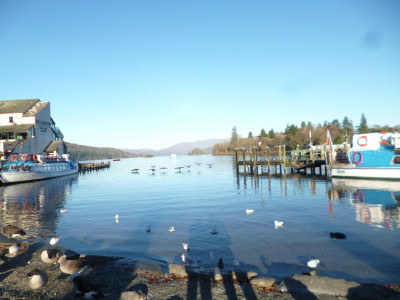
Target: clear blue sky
150,74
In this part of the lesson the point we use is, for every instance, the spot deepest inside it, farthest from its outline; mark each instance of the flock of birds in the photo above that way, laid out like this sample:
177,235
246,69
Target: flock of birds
153,168
69,262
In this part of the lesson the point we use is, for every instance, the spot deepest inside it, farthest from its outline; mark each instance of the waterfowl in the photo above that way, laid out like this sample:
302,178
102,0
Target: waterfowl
278,224
236,263
148,228
214,231
37,279
116,218
185,246
71,265
50,256
63,211
86,287
337,235
171,230
313,263
187,259
249,211
13,251
12,231
54,240
220,264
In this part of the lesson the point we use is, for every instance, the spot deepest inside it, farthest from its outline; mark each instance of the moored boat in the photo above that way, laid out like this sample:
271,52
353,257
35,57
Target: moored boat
372,155
27,167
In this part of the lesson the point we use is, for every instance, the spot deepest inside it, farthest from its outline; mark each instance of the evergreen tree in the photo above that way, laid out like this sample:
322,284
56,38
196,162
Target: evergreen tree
263,133
271,134
303,124
235,138
363,128
250,135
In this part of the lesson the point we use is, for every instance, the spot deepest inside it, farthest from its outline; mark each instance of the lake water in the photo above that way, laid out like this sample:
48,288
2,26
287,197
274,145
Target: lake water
202,198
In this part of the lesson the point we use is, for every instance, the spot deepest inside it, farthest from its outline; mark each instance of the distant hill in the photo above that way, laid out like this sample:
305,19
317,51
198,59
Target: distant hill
81,152
181,148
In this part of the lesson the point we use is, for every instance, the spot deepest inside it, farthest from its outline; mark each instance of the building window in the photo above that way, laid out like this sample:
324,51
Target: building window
11,119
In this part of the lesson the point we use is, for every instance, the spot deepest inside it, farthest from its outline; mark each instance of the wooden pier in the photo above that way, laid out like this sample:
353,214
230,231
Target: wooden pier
93,166
297,160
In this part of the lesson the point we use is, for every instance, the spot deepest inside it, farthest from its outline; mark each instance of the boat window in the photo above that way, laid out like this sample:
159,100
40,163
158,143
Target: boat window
396,160
15,168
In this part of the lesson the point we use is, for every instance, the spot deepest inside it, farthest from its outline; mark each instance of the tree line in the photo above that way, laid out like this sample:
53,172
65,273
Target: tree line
82,153
302,135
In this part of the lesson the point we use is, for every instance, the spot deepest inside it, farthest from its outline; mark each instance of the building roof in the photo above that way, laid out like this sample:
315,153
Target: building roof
54,145
15,128
33,111
17,106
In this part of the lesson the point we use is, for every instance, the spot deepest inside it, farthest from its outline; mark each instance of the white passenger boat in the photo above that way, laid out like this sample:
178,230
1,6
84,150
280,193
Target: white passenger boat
372,155
28,167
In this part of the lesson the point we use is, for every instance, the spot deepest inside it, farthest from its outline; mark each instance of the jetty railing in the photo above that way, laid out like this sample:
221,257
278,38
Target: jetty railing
92,166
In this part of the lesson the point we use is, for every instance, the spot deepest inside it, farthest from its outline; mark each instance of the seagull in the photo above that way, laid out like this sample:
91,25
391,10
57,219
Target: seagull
50,256
148,228
337,235
214,231
13,251
37,279
116,218
220,264
171,230
187,259
185,246
278,224
249,211
12,231
313,263
63,211
54,240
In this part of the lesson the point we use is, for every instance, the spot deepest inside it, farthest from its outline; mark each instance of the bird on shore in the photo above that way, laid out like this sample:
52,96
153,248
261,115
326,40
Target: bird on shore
70,264
86,287
313,263
337,235
12,231
37,279
188,260
13,251
249,211
185,246
220,264
171,230
278,224
148,228
50,256
54,240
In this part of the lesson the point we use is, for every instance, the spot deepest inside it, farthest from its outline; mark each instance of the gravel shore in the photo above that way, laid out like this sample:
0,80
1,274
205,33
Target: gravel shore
122,278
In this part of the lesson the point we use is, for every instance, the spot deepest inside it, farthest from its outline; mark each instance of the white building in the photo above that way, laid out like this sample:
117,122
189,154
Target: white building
27,127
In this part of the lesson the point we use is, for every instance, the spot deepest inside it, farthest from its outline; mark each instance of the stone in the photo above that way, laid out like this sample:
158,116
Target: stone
178,270
263,282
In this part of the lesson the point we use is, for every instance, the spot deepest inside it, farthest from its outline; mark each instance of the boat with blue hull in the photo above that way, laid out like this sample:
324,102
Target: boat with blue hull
372,155
27,167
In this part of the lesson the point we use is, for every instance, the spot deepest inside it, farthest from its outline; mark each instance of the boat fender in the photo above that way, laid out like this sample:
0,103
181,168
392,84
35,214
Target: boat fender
25,157
14,157
362,141
358,163
34,156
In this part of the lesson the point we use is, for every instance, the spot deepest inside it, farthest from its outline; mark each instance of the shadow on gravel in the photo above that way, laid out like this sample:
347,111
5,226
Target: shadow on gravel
298,290
373,291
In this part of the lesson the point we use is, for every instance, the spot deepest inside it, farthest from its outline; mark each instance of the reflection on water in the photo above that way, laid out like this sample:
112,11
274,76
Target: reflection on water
35,206
209,195
376,202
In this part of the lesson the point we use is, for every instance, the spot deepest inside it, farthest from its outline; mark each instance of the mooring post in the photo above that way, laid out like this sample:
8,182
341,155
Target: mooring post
255,162
237,161
269,160
244,163
284,159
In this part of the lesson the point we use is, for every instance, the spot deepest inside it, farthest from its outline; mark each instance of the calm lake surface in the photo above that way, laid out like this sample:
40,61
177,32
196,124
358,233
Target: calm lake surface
202,198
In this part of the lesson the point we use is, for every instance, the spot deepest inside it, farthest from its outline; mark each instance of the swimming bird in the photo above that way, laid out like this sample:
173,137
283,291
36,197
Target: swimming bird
171,230
163,168
12,231
71,264
37,279
63,211
278,224
54,240
313,263
86,287
337,235
249,211
220,264
214,231
187,259
116,218
185,246
135,170
236,263
148,228
50,256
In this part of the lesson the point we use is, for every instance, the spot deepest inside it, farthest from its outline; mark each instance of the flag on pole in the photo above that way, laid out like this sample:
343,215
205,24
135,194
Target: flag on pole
328,138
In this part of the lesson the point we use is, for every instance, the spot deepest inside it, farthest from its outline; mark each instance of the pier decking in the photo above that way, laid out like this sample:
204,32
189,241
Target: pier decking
92,166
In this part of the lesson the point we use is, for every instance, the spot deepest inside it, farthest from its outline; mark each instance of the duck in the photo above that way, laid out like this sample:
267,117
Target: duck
185,246
37,279
313,263
171,230
86,287
337,235
148,228
50,256
214,231
71,264
12,231
54,240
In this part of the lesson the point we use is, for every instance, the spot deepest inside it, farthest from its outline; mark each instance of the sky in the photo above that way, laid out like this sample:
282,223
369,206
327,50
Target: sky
151,74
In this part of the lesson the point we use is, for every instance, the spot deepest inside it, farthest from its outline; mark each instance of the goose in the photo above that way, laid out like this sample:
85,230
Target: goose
313,263
171,230
85,286
37,279
54,240
278,224
185,246
249,211
71,264
220,264
337,235
12,231
148,228
50,256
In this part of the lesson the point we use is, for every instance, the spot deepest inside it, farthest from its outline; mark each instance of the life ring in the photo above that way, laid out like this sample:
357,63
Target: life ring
359,196
358,163
362,143
25,157
34,156
14,157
